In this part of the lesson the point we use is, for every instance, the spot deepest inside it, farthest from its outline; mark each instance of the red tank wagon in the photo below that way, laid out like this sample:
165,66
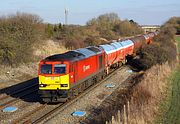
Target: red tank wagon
138,42
148,40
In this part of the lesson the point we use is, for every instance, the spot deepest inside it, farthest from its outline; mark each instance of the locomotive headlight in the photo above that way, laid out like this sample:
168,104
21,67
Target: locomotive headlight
42,85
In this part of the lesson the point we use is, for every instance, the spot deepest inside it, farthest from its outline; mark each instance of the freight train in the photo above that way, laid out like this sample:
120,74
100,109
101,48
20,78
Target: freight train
63,76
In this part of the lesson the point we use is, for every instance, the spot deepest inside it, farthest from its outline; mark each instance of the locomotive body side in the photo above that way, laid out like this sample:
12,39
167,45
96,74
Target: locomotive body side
89,66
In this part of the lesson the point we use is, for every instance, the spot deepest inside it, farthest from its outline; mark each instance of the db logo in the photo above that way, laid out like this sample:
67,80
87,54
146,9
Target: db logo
86,67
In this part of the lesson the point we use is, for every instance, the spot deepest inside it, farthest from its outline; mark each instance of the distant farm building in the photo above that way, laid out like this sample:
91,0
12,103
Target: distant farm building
150,28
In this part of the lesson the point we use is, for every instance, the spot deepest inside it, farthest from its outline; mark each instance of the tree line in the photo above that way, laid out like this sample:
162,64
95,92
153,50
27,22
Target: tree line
19,34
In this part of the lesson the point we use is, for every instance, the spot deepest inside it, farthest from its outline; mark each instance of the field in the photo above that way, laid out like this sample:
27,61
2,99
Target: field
171,108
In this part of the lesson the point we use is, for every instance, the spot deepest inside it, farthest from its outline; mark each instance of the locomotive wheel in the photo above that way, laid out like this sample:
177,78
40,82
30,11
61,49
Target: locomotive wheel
46,100
75,91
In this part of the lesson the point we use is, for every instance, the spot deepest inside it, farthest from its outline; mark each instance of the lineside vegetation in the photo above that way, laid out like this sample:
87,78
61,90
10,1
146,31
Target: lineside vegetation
154,95
20,33
163,48
170,108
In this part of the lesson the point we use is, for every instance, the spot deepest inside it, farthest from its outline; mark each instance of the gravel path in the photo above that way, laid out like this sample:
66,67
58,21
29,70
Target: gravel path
91,100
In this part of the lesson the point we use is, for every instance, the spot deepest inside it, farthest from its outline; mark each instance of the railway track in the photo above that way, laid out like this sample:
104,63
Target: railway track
8,100
26,117
17,92
53,111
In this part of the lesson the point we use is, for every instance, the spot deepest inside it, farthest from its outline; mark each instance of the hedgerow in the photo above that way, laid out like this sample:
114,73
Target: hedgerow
162,50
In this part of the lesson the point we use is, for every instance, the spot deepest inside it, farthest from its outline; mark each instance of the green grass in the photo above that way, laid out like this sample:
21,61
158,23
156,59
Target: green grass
178,40
170,108
172,115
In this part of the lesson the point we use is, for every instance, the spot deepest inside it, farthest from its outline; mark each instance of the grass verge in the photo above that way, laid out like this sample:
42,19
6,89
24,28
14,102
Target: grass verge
170,108
172,116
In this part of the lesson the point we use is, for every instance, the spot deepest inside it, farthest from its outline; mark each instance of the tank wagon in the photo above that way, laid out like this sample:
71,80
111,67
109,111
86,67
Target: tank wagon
63,76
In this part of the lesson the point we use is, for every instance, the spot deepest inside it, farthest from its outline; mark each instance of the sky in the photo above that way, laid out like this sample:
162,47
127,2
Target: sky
144,12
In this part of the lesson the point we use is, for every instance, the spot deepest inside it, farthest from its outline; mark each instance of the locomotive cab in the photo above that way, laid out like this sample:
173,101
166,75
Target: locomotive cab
53,80
53,76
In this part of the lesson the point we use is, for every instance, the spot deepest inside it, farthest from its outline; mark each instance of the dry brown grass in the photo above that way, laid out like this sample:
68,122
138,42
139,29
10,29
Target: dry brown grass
11,76
48,47
148,94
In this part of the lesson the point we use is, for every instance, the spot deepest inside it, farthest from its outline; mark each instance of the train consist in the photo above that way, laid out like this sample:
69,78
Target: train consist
63,76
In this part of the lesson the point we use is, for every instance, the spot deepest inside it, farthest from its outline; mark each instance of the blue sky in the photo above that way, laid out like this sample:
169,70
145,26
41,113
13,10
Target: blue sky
80,11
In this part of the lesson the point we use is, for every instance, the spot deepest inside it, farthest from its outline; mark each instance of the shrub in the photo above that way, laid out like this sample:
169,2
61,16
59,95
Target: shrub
91,41
126,28
175,23
111,27
166,41
163,49
151,55
17,35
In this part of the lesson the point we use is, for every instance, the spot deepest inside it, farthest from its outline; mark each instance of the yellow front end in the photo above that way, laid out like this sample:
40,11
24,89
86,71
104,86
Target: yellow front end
54,82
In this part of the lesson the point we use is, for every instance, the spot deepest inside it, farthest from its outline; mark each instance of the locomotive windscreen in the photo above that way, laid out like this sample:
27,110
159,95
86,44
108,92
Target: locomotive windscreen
59,69
46,69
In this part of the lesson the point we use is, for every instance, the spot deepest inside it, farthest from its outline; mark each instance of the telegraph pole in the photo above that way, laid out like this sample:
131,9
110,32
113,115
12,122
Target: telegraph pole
66,16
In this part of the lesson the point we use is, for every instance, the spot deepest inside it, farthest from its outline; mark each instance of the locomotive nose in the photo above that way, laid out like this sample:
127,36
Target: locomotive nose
54,83
53,76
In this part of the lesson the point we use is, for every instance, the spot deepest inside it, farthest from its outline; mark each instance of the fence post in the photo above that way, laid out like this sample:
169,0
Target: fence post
113,120
128,112
125,116
119,117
